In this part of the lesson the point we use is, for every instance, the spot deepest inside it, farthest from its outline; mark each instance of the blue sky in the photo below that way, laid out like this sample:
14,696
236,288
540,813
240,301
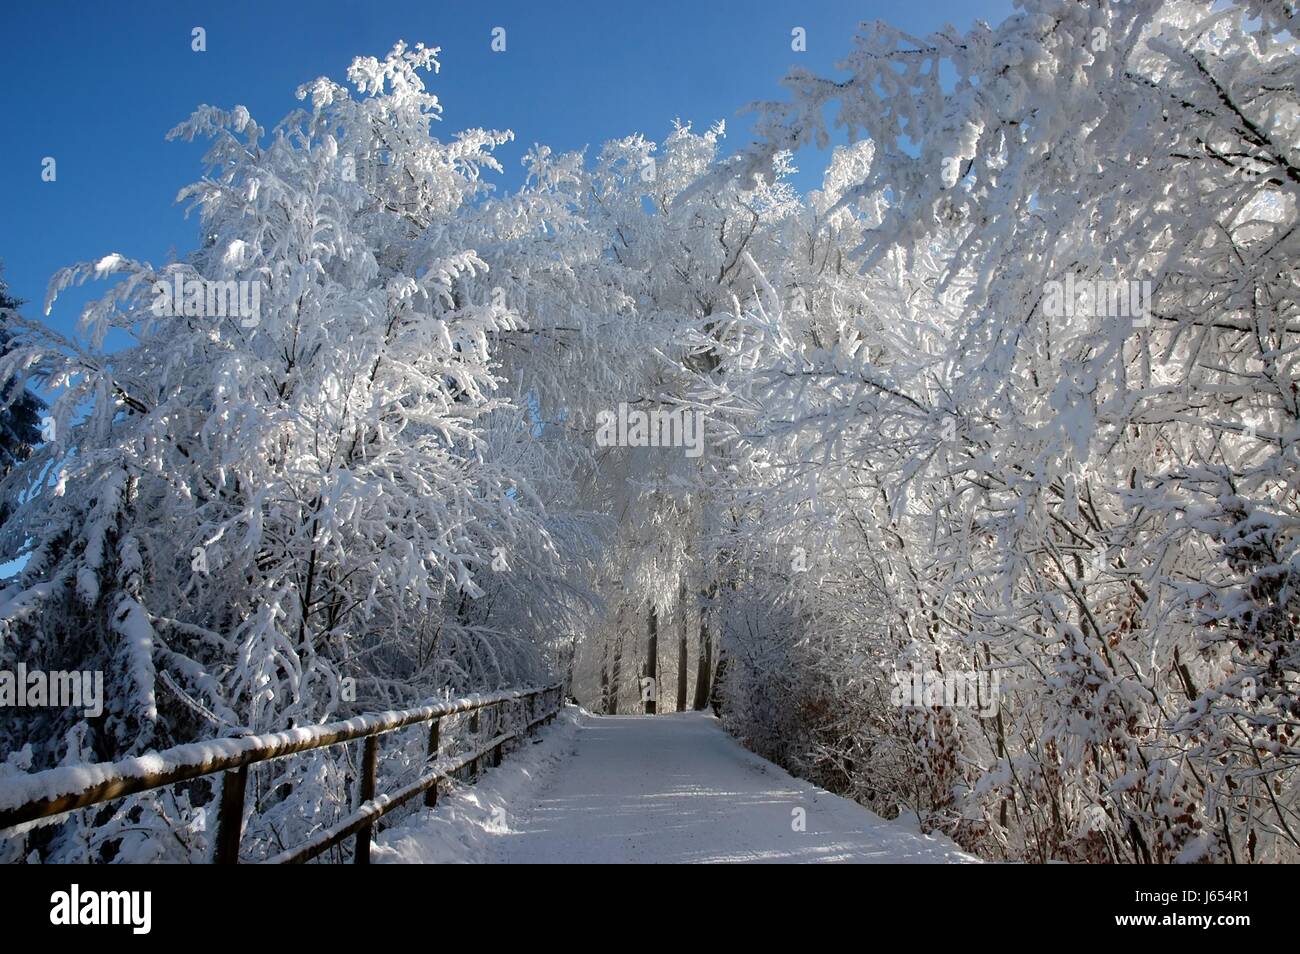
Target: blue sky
97,86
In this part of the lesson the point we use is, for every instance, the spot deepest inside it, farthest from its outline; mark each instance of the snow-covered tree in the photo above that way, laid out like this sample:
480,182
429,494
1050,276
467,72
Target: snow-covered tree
278,501
20,417
1092,501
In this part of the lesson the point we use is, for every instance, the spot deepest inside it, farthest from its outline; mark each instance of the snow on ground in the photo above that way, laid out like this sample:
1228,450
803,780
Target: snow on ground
670,788
470,819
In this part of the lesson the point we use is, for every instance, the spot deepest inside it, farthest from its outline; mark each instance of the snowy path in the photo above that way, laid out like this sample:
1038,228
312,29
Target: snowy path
678,788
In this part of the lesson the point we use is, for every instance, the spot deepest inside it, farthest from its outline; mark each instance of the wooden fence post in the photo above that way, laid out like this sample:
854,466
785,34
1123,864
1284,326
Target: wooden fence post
473,739
431,796
365,792
499,709
230,821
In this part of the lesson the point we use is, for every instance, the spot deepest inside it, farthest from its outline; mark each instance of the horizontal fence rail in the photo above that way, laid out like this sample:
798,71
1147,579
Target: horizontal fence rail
42,795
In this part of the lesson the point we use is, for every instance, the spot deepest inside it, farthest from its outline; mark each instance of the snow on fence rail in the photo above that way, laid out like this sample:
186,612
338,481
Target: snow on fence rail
43,795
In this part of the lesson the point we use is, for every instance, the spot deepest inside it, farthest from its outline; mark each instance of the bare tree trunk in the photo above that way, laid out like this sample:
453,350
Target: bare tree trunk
715,690
615,673
652,663
604,677
682,650
704,670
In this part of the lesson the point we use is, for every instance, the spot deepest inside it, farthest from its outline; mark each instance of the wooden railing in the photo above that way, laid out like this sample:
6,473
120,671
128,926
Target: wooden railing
40,795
